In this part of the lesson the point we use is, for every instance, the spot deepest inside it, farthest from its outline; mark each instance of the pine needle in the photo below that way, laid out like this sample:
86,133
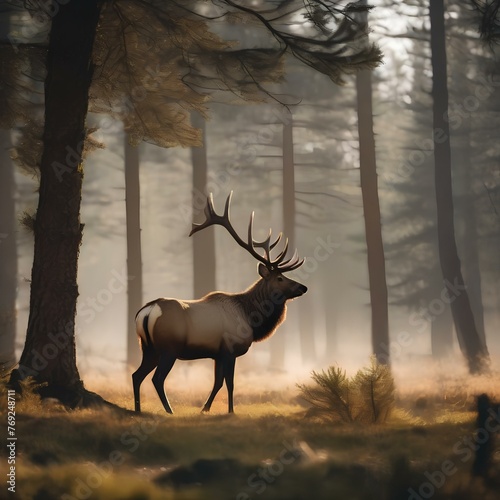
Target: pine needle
367,397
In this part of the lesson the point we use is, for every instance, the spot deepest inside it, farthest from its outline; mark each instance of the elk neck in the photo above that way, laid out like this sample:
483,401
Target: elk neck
263,313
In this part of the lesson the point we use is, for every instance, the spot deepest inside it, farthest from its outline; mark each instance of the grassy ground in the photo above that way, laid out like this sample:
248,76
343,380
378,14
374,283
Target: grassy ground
268,450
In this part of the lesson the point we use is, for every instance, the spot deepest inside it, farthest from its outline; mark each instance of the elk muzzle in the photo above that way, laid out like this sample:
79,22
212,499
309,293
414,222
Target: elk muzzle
298,290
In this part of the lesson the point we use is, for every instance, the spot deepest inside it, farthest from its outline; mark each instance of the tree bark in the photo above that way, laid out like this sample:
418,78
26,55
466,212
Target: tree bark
373,225
306,330
49,352
467,224
473,349
134,254
204,260
306,318
441,331
277,343
288,179
8,247
8,258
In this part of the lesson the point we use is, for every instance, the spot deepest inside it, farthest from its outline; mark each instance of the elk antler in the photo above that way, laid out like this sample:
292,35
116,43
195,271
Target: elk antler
212,218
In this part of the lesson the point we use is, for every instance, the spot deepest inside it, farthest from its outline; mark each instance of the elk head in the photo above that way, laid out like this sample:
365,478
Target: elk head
277,284
271,270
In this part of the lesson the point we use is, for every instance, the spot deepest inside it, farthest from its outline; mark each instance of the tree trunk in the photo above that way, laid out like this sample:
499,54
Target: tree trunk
288,180
134,254
472,270
473,349
8,247
277,343
8,258
204,263
373,225
306,330
441,331
331,319
49,352
468,236
306,318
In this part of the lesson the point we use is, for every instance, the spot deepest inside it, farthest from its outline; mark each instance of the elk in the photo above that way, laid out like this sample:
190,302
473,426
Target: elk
221,326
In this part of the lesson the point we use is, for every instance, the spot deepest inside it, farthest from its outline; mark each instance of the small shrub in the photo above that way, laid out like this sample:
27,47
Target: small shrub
368,397
27,397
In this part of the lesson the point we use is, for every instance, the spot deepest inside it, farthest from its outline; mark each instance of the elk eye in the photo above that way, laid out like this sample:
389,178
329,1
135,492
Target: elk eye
280,278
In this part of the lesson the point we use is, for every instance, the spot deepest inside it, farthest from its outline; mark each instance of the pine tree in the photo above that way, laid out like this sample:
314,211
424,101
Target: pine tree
473,348
367,397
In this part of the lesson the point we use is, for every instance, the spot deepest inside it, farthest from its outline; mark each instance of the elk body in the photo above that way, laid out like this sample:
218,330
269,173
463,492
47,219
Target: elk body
221,326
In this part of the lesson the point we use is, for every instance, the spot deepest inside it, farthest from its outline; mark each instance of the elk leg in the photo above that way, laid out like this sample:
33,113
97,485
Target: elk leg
229,377
148,364
218,381
164,366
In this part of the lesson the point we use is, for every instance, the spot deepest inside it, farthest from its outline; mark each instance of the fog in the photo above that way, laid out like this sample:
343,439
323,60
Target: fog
245,149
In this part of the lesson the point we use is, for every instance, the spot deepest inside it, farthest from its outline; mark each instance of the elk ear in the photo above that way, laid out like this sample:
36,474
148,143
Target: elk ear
263,271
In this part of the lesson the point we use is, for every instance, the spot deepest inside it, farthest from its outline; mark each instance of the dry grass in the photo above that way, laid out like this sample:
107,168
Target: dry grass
120,456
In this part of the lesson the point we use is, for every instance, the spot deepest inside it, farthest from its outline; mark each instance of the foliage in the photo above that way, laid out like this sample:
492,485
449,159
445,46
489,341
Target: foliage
110,455
367,397
489,22
27,399
156,61
374,388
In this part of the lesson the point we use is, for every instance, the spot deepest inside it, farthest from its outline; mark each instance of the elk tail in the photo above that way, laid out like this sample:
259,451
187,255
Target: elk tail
146,330
142,320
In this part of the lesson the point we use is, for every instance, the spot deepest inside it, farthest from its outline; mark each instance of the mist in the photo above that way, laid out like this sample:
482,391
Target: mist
357,150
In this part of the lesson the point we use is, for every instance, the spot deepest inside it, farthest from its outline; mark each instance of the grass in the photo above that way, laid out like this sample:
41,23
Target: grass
268,450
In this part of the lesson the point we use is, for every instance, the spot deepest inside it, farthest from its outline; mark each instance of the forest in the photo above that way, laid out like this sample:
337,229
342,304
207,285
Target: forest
350,149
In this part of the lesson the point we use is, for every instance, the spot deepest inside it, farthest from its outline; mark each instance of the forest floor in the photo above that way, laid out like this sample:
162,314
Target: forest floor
268,449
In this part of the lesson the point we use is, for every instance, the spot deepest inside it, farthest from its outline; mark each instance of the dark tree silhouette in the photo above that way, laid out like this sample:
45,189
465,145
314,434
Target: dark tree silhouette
134,251
412,255
8,251
373,223
306,329
472,347
204,259
278,345
467,231
489,19
8,257
17,108
49,352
